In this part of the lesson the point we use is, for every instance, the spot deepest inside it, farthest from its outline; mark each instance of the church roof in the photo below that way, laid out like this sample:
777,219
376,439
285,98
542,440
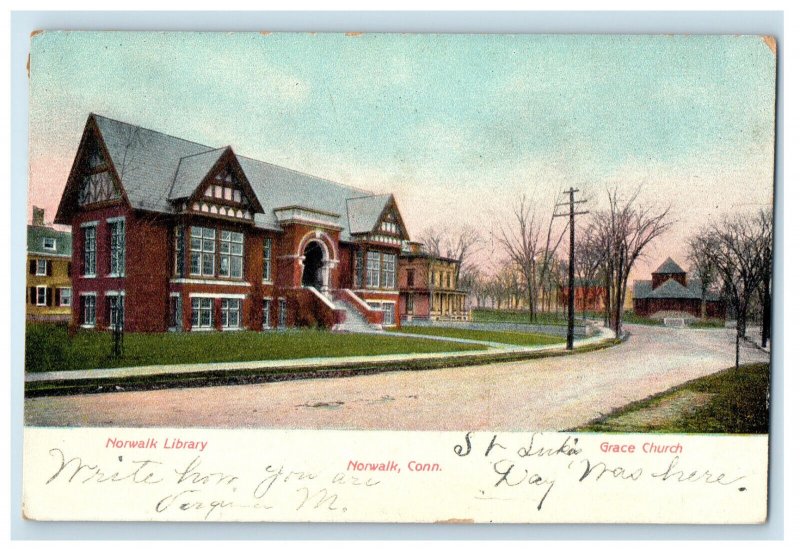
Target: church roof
669,266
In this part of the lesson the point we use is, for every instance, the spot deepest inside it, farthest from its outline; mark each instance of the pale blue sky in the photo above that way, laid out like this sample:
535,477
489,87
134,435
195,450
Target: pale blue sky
456,125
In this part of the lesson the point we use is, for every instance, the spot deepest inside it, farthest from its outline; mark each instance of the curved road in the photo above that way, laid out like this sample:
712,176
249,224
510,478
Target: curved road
545,394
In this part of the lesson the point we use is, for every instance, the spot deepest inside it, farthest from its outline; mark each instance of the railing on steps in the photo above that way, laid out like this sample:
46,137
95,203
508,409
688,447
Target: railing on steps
372,316
324,310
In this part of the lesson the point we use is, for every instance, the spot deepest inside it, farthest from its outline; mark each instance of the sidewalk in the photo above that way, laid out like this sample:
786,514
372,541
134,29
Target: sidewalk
321,363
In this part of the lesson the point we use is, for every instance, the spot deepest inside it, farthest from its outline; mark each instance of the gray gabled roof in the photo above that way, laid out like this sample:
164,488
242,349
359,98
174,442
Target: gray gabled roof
669,266
642,288
156,168
363,212
146,161
277,187
192,170
36,235
672,289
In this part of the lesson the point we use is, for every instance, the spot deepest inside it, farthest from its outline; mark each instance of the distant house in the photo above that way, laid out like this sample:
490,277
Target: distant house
48,285
172,235
670,291
428,286
590,295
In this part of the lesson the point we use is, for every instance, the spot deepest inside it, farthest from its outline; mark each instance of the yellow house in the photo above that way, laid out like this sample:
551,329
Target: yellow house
49,287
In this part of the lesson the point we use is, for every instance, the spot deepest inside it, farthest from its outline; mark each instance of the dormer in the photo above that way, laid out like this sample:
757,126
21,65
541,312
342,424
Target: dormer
213,183
376,219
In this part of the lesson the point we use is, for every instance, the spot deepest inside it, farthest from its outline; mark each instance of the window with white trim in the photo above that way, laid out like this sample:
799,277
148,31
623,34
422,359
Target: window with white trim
41,267
175,321
282,313
388,313
266,313
203,247
389,271
202,312
65,296
231,251
116,246
116,310
49,243
180,255
373,269
88,309
231,317
267,275
358,269
41,295
90,250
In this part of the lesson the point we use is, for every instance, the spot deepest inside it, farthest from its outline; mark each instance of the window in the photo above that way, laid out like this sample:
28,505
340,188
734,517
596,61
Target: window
65,296
202,313
90,251
116,310
231,313
231,249
410,304
41,296
116,245
88,309
267,275
358,270
180,253
49,243
410,278
282,313
175,321
373,269
266,313
41,267
388,313
203,246
388,269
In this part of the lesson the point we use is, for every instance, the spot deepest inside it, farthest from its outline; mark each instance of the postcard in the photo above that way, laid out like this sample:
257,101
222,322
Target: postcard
399,277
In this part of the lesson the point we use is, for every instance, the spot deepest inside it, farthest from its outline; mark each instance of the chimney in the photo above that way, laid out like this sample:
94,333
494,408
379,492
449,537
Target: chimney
38,216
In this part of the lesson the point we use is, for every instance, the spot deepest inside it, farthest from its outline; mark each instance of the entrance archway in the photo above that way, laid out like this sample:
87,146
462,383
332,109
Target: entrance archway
313,265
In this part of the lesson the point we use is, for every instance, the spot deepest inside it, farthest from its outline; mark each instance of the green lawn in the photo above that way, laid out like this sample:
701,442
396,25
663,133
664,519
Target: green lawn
487,315
507,337
734,401
49,347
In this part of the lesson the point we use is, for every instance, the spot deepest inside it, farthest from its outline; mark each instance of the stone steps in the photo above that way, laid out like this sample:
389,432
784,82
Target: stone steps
354,322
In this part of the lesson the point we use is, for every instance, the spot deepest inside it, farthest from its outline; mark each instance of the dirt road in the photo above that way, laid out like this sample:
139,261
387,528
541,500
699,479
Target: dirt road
546,394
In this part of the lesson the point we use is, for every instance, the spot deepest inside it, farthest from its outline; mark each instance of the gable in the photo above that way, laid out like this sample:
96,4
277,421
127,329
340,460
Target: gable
222,191
93,180
390,223
376,218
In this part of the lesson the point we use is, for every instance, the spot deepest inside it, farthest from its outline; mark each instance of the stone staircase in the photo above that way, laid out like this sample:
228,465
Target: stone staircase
354,322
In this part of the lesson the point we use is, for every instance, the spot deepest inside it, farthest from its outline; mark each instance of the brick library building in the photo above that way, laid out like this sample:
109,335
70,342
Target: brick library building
168,234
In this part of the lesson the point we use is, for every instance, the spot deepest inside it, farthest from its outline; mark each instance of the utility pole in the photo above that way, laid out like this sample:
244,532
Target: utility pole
571,277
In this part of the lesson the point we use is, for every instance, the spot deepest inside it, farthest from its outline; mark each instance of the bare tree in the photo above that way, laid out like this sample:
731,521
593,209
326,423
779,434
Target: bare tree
588,261
702,265
626,229
462,246
520,241
741,250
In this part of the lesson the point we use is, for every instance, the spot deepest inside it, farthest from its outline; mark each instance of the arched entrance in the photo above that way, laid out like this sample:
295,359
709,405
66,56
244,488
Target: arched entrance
314,265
